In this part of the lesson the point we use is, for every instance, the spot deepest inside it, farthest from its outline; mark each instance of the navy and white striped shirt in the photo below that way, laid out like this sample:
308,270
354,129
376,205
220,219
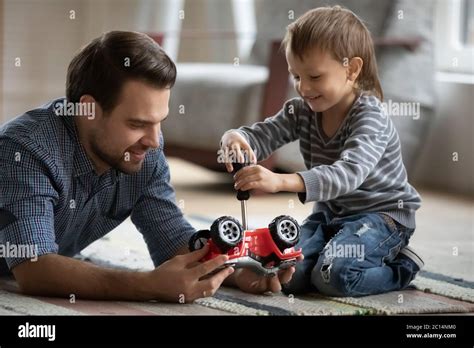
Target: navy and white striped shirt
61,205
359,169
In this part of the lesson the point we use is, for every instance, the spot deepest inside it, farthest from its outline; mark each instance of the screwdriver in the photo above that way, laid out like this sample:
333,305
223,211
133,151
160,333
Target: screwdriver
242,196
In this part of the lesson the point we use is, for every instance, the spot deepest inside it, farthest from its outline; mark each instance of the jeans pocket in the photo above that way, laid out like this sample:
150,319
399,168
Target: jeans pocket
390,223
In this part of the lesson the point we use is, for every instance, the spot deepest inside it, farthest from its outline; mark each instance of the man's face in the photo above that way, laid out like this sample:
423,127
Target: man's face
319,79
122,137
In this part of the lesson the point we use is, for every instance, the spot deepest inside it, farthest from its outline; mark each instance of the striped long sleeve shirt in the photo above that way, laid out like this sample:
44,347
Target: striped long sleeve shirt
359,169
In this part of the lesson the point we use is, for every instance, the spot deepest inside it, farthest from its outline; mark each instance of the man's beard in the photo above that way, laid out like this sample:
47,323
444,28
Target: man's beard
116,162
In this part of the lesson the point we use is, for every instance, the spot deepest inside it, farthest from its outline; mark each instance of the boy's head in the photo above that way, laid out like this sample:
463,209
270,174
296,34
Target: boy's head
330,53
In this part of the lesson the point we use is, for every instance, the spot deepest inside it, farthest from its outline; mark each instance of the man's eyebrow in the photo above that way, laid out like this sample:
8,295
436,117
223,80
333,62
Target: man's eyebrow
140,120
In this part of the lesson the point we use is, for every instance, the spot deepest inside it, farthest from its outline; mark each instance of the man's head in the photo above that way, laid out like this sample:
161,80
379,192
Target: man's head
128,77
330,53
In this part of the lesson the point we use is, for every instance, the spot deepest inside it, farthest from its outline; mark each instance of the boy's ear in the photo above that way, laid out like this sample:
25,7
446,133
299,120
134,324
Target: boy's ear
354,68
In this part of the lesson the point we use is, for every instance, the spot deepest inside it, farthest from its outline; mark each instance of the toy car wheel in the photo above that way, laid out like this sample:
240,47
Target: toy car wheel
199,239
226,232
285,231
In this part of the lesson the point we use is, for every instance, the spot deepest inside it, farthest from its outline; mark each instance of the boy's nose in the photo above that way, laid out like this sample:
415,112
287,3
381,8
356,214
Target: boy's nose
304,88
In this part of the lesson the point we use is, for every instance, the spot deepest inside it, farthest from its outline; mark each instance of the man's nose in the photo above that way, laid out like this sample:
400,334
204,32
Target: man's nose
152,139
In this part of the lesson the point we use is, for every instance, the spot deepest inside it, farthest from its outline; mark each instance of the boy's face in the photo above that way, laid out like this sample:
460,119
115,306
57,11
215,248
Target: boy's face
319,79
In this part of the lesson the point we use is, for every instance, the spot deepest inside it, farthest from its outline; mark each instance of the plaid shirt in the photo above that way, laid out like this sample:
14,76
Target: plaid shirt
59,203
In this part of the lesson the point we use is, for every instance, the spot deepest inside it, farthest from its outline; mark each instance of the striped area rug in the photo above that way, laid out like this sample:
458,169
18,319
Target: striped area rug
124,248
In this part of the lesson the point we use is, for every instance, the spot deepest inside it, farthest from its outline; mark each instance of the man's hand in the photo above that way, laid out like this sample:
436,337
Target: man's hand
184,279
249,281
240,147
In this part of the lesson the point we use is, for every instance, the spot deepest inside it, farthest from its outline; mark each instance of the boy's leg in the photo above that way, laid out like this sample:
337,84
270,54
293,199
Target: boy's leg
362,258
311,242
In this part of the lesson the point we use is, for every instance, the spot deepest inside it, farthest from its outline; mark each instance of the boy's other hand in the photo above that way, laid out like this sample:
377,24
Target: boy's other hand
257,177
241,150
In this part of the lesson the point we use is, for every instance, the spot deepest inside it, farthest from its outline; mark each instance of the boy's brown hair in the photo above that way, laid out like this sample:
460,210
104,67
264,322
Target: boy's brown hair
339,31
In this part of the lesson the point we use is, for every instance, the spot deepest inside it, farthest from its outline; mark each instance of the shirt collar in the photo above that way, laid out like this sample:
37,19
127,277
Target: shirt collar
81,162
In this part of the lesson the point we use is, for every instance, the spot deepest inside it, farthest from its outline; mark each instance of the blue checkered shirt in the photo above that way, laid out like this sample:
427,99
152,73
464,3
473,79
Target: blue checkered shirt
61,205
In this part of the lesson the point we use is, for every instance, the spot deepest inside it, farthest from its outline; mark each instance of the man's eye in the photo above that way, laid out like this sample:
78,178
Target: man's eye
315,77
296,78
136,126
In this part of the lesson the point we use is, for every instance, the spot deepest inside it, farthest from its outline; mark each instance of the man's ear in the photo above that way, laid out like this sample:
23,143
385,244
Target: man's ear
354,68
91,106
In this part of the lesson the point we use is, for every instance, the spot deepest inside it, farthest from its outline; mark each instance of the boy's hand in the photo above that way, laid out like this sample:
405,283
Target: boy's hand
241,148
257,177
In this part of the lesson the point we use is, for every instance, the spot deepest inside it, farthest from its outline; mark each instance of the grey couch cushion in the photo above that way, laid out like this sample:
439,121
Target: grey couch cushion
215,97
409,76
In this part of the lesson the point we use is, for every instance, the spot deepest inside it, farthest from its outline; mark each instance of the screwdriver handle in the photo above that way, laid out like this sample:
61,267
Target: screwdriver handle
241,195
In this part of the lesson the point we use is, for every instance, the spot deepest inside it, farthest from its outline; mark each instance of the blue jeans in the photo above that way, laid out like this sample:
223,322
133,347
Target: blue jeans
351,256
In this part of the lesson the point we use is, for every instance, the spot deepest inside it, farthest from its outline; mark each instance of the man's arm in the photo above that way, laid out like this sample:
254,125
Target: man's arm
158,218
177,280
56,275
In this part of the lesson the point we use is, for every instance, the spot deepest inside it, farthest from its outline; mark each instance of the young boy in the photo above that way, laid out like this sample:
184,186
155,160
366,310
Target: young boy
355,241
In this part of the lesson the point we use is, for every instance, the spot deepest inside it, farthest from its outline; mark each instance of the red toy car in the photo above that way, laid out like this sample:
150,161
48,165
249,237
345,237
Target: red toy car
265,250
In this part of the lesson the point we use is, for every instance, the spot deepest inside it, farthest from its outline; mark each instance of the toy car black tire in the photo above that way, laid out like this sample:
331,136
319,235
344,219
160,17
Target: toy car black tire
199,239
285,231
226,233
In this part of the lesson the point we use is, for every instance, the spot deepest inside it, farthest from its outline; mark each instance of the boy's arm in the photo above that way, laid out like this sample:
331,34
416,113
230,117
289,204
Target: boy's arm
370,132
267,136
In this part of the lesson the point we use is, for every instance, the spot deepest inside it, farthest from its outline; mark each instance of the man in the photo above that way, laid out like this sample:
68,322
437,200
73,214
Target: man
75,168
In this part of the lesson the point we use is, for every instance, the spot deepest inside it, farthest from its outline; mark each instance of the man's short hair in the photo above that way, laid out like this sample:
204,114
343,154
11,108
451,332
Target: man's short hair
101,68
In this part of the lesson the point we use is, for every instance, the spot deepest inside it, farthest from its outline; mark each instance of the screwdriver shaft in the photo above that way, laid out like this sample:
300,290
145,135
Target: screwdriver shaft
243,206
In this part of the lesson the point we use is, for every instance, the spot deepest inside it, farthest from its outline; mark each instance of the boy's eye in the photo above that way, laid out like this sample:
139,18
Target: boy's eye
296,77
136,125
315,77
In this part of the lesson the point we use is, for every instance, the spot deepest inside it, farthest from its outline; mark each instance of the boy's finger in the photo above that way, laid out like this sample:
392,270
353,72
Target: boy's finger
246,180
253,158
236,153
249,170
229,167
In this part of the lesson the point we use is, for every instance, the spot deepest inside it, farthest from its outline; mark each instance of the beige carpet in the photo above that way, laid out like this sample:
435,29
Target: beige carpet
124,248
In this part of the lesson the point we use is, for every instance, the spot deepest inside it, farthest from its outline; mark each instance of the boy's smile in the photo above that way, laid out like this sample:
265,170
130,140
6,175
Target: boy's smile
322,81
